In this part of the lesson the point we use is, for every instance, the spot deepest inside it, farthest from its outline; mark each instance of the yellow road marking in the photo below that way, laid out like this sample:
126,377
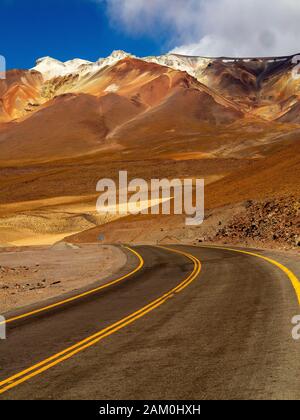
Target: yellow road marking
58,358
294,280
81,295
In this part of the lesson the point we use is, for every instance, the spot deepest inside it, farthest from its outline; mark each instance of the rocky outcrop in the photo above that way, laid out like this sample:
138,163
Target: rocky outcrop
276,221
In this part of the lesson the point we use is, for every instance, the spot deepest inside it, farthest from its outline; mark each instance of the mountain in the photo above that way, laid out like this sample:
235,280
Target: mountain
51,68
70,125
63,126
75,114
261,87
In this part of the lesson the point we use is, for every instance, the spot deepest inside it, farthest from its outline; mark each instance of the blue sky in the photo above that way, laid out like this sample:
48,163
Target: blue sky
64,29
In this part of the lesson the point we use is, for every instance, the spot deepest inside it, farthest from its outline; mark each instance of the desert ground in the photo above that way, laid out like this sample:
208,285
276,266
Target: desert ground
30,275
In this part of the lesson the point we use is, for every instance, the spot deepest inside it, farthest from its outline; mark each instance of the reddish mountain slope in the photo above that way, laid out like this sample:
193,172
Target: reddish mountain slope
68,126
19,93
148,97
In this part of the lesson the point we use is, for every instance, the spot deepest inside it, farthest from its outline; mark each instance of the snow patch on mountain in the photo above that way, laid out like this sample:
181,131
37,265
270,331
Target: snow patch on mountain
114,58
192,65
51,68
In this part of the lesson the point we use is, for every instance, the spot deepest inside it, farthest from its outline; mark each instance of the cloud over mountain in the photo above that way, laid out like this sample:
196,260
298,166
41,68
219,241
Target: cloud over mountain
214,27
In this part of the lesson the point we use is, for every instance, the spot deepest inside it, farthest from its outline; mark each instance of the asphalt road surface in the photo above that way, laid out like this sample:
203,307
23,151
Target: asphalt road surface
182,323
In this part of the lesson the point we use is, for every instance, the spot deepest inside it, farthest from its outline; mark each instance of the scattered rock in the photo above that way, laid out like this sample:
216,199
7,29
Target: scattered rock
248,204
276,220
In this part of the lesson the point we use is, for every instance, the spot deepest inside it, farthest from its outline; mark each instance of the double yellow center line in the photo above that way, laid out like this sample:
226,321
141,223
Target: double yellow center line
58,358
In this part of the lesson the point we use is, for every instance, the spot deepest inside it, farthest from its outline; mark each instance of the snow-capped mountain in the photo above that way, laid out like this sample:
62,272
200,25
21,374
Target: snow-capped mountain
192,65
195,66
51,68
240,83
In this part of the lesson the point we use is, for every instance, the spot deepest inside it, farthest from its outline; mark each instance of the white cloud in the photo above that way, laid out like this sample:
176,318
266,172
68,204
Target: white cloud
214,27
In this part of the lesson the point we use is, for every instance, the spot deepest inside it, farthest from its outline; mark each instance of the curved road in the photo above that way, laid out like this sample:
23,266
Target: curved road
180,323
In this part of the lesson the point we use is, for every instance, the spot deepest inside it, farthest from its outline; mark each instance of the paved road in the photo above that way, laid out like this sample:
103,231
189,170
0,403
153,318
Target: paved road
223,333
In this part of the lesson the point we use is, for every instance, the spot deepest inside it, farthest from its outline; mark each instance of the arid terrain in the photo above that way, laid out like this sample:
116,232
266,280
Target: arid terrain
34,274
64,126
153,331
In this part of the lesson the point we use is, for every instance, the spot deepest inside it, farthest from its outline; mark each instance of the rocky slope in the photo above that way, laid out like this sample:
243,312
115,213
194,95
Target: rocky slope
272,221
